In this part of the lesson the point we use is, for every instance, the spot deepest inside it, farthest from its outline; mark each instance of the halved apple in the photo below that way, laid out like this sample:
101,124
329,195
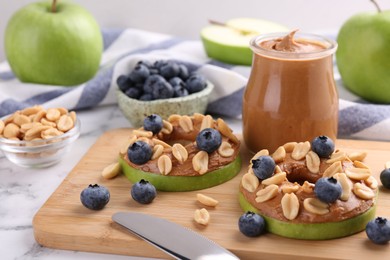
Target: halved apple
230,42
313,231
183,183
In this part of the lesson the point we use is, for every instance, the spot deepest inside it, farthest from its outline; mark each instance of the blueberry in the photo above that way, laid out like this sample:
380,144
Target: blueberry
378,230
208,140
153,71
143,192
133,93
124,83
139,86
150,83
323,146
176,81
183,73
146,63
159,63
153,123
327,190
162,90
95,197
169,70
251,224
139,74
195,83
146,97
180,91
385,178
263,167
139,152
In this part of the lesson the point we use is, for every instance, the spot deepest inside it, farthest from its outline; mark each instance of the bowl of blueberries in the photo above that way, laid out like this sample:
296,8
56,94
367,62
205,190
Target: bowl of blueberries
163,87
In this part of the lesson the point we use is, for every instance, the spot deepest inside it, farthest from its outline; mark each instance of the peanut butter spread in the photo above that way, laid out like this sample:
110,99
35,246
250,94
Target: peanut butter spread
298,175
186,136
289,44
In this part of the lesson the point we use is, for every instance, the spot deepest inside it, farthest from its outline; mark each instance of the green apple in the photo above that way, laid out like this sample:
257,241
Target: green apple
363,55
229,42
183,183
50,43
313,231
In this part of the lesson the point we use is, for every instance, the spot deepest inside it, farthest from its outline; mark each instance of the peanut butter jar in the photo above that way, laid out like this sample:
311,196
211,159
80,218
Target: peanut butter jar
291,94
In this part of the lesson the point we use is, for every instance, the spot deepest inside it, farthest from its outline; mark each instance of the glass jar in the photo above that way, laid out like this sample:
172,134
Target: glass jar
290,96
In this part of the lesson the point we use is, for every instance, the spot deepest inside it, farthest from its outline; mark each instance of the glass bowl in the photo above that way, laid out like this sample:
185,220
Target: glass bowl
39,153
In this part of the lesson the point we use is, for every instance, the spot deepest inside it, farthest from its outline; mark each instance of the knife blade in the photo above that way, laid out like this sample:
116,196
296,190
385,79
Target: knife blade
178,241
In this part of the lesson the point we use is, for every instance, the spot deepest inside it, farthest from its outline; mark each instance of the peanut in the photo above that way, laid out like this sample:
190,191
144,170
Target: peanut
250,182
357,156
180,153
313,162
290,206
200,162
275,179
65,123
267,193
207,122
111,170
363,192
358,173
300,150
333,169
186,124
279,155
315,206
206,200
202,216
164,164
225,149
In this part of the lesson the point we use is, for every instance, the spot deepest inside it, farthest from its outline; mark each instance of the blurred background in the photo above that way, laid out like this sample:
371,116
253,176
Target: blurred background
186,18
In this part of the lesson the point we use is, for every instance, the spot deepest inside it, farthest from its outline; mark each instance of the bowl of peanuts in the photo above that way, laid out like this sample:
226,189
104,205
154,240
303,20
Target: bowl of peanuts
36,137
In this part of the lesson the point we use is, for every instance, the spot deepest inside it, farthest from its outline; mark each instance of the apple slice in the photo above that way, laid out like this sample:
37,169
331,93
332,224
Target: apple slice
229,42
183,183
313,231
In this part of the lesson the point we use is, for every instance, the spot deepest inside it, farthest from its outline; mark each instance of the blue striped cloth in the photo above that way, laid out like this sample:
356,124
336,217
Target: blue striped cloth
123,48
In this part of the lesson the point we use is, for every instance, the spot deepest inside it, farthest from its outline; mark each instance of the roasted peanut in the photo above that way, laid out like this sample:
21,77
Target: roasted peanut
290,206
250,182
164,164
111,170
269,192
180,152
202,216
225,149
206,200
186,124
200,162
300,150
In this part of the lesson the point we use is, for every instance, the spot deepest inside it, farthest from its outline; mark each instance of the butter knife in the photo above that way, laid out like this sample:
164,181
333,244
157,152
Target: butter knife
175,240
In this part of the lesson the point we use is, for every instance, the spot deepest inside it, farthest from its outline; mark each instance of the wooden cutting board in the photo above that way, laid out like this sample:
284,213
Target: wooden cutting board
63,223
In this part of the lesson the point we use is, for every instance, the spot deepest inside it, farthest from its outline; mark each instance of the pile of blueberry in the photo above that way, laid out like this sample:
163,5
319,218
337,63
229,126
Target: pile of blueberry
160,80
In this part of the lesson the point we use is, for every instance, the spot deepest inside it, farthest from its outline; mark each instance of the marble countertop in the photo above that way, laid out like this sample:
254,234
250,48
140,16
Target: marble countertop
23,191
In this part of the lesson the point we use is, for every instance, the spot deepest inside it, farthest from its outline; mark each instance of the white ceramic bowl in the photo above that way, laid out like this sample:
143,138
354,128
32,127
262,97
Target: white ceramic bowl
39,153
135,110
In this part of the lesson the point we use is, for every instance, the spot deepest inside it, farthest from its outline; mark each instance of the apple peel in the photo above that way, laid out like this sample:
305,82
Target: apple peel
313,231
183,183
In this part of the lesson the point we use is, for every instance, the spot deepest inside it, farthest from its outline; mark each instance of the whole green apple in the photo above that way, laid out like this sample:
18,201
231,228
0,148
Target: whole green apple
363,55
56,44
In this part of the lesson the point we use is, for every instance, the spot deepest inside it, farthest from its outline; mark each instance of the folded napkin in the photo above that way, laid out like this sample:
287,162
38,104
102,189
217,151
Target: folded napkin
123,48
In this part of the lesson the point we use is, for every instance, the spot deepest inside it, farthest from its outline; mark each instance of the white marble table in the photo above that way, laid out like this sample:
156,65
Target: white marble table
23,191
